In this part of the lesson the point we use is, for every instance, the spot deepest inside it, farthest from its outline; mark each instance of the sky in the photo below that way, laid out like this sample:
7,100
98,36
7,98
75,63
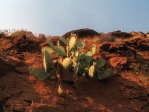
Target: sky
56,17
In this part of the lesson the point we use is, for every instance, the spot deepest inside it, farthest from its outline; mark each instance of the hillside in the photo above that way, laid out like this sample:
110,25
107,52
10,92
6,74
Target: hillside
127,54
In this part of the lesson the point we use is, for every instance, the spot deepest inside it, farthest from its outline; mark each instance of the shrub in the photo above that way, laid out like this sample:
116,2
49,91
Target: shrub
22,33
3,34
25,41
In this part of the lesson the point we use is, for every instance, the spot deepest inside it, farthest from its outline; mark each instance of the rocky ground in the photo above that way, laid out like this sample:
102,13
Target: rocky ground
127,91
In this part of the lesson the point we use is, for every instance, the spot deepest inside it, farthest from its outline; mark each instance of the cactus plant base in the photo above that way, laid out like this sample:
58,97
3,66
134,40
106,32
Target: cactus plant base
67,76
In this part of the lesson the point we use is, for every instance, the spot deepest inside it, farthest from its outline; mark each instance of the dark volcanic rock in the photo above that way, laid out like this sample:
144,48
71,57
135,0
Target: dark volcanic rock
81,33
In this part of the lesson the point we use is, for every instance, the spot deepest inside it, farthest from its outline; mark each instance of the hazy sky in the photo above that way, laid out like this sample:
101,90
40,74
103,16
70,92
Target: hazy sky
56,17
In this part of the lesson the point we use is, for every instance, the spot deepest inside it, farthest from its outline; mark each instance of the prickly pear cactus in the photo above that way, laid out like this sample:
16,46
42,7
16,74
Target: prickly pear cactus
71,56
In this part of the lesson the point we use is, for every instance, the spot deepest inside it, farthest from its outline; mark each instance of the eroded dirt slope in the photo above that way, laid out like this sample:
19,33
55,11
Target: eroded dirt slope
21,92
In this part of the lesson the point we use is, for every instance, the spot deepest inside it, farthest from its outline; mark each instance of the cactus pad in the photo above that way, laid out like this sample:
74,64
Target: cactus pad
93,49
47,61
82,56
100,63
62,39
51,43
60,50
67,62
91,71
101,75
89,53
39,73
48,49
88,59
80,45
72,42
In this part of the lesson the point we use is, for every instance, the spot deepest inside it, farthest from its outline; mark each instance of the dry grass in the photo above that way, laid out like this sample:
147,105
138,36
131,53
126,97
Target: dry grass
93,40
107,39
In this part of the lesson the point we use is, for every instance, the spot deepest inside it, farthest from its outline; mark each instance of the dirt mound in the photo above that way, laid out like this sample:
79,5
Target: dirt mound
82,33
24,44
25,41
17,43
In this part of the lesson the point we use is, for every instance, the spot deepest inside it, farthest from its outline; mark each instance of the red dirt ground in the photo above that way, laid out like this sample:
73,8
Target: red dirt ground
22,93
